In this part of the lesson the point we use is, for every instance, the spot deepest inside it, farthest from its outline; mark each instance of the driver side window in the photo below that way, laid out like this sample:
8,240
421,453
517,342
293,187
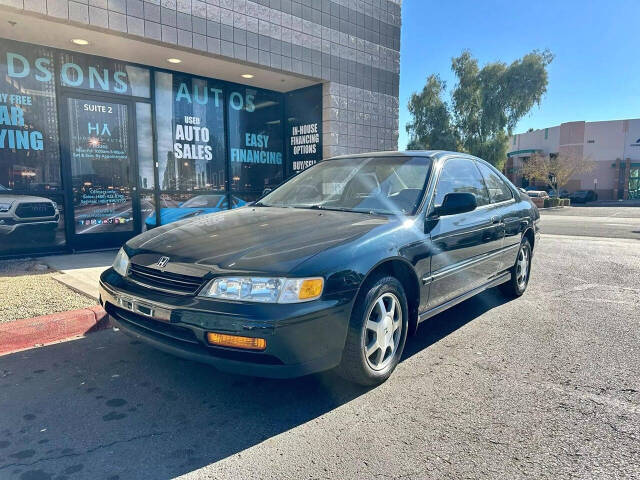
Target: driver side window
460,175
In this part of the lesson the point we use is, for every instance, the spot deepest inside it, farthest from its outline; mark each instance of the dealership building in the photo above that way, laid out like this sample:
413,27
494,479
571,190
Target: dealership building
614,147
121,115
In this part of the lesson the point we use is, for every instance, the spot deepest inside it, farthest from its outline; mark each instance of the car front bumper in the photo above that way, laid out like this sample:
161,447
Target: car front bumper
26,226
301,338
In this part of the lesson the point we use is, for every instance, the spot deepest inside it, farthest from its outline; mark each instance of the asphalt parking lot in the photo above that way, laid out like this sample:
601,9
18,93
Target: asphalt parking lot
546,386
610,222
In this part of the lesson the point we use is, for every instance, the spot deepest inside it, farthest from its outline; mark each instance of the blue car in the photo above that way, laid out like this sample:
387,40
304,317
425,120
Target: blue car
193,207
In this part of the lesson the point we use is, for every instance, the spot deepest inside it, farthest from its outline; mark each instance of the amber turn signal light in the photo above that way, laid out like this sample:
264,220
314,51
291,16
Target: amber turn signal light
235,341
310,288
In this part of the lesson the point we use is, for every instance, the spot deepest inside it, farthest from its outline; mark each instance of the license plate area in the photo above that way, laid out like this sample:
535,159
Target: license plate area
145,309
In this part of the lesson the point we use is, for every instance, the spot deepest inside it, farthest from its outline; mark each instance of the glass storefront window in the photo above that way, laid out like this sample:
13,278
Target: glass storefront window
634,182
97,74
191,148
105,153
146,179
255,141
101,175
31,196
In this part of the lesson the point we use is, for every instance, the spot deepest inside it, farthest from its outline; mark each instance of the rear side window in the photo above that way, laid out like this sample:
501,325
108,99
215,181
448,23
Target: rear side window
460,175
498,190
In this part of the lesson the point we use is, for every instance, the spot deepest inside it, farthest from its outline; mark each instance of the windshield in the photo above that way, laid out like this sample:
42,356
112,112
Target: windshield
203,201
386,185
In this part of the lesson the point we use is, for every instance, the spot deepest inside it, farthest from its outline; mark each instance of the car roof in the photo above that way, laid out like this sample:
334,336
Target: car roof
434,154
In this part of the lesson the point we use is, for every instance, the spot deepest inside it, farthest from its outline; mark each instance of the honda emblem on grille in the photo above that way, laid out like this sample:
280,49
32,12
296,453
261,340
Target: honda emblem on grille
162,262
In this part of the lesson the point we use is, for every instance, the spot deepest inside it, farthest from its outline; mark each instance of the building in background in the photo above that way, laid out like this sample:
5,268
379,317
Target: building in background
113,112
614,146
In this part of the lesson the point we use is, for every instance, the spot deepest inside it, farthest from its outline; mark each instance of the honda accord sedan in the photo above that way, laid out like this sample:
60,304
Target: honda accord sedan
333,269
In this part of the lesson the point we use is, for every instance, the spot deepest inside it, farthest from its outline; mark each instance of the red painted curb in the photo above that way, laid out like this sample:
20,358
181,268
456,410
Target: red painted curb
32,332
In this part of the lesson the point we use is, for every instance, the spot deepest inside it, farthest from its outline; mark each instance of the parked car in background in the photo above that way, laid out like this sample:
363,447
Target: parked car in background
537,194
537,197
559,194
198,205
334,268
583,196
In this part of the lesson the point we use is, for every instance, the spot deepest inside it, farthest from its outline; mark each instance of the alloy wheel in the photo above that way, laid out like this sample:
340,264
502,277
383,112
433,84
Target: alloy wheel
522,267
383,330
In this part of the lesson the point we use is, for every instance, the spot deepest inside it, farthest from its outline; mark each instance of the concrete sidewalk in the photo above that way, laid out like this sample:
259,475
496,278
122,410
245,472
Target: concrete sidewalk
81,271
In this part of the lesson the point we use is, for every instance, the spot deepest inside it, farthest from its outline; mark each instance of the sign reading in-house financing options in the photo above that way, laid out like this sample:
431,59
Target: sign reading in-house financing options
304,124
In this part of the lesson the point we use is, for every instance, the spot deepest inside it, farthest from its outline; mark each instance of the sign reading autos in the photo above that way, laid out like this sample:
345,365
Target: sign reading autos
304,128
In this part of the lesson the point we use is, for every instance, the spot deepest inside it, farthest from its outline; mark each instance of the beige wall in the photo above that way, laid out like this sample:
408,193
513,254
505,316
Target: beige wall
602,142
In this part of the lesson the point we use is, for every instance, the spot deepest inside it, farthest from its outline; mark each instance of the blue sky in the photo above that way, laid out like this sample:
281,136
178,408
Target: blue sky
595,74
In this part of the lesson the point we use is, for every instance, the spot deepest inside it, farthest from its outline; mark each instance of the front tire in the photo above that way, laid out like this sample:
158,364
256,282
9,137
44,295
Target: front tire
377,332
520,272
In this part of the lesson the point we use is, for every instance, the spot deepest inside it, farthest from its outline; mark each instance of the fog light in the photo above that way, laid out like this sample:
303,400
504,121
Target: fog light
234,341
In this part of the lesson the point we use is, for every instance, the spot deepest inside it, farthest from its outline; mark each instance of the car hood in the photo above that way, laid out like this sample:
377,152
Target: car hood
250,239
7,197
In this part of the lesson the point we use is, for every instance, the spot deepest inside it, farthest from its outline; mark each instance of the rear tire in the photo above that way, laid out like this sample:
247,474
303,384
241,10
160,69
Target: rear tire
520,272
377,332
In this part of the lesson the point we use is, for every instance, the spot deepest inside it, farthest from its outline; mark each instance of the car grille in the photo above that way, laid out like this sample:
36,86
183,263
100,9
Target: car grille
174,332
35,209
165,281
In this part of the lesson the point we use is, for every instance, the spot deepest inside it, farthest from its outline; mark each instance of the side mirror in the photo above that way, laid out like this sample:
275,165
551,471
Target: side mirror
455,203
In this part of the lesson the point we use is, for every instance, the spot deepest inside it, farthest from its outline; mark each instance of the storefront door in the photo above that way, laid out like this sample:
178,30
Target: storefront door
101,171
634,182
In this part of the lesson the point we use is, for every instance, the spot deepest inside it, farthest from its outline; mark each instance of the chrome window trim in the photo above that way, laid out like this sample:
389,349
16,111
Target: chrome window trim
443,273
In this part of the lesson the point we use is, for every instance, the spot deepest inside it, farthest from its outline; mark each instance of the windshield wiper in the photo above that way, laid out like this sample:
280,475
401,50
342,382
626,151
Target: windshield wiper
320,206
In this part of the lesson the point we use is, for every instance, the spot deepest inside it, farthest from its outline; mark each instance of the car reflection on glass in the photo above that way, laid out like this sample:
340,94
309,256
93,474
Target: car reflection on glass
23,215
198,205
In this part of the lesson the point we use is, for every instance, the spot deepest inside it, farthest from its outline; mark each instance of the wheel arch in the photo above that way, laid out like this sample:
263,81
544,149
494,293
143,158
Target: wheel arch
401,269
529,235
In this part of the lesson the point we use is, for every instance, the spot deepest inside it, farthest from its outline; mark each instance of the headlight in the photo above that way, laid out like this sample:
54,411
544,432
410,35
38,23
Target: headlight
121,263
5,206
265,289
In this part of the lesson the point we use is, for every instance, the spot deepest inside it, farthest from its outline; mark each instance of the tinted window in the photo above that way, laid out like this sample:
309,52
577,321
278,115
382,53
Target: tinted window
29,147
255,141
103,75
498,190
190,141
460,175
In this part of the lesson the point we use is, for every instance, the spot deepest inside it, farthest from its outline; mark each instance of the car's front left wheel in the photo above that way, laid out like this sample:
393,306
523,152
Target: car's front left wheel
377,332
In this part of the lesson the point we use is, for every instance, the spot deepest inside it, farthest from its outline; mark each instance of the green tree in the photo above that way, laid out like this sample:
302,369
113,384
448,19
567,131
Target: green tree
485,106
431,126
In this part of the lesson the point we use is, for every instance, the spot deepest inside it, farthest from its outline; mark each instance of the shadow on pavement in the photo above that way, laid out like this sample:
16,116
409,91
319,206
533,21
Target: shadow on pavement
107,406
434,329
